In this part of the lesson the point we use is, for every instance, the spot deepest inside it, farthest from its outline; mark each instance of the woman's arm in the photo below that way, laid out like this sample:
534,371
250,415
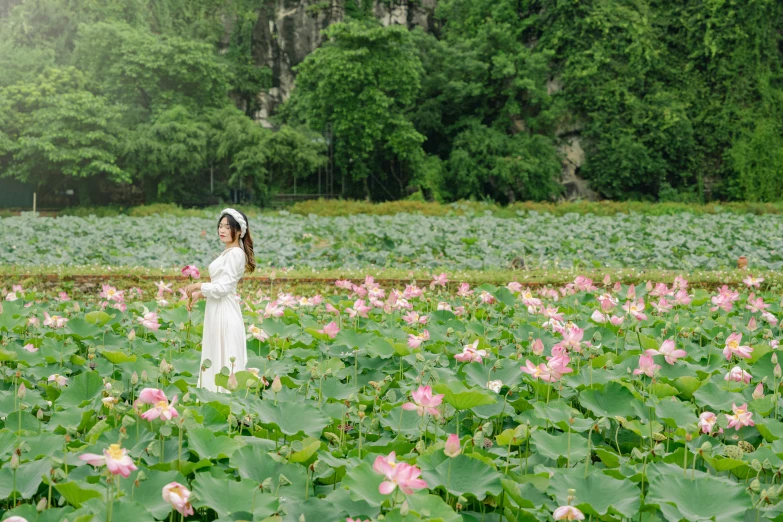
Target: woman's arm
232,272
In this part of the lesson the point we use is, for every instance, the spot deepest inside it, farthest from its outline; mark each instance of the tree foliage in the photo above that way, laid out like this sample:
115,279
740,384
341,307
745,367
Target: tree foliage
670,100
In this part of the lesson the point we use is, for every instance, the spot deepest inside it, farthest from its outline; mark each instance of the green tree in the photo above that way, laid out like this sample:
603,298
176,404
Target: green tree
358,88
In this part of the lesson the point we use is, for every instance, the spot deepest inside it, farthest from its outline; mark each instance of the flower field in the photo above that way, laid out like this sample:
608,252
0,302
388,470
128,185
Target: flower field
595,400
478,242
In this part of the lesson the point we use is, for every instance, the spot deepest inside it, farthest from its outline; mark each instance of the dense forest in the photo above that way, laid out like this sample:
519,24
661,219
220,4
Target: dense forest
164,100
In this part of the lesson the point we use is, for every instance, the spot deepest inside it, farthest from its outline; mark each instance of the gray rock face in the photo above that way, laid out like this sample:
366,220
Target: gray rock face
289,30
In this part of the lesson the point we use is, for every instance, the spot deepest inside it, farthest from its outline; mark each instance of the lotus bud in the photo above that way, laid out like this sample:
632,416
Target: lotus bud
231,419
76,307
277,386
186,398
135,378
22,391
452,448
232,382
132,335
144,376
404,509
41,506
14,464
649,286
39,415
774,358
758,393
776,372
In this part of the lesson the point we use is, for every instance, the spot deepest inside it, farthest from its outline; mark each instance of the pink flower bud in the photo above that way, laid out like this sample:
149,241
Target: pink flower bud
758,393
452,448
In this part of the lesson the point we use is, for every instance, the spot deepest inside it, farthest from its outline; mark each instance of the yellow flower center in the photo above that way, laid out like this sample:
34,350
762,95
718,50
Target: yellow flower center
162,404
733,345
115,451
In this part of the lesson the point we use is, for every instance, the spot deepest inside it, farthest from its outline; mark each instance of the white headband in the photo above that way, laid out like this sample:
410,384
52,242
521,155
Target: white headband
239,219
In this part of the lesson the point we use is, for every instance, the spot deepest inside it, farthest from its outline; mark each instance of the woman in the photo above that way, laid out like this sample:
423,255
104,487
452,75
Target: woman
224,328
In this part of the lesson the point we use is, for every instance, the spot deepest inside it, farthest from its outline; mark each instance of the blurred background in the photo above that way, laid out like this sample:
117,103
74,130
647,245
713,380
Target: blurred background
262,102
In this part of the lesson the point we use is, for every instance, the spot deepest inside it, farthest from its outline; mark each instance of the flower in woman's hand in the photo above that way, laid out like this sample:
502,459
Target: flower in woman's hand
191,271
115,458
179,497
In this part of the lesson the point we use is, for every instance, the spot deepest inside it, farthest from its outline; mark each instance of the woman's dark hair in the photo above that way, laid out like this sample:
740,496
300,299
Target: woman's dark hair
247,241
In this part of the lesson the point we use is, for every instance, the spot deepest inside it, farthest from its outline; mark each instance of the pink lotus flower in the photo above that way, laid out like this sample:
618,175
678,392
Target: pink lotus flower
756,304
163,288
514,287
471,353
662,306
60,380
557,366
115,458
733,347
414,341
15,518
443,305
464,290
771,319
349,519
681,283
707,421
737,374
452,448
608,302
412,292
343,283
30,348
55,321
151,396
424,402
751,281
568,513
179,497
529,300
584,284
413,317
439,279
257,333
331,309
725,299
668,351
398,474
752,325
359,308
537,372
63,296
740,417
631,293
162,409
111,293
150,321
273,310
616,320
682,298
660,290
598,317
634,308
33,321
646,366
191,271
487,298
331,329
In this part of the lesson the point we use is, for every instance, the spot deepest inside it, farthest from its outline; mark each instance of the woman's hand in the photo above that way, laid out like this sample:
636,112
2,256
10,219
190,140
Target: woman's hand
194,296
192,288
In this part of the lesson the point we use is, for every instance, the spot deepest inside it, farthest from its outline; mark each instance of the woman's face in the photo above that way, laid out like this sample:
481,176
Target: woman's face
224,231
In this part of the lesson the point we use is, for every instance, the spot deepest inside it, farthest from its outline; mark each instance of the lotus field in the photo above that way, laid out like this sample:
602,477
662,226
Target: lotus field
406,241
594,401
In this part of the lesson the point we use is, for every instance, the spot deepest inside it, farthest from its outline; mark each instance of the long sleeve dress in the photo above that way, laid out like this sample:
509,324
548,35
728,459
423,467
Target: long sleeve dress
224,328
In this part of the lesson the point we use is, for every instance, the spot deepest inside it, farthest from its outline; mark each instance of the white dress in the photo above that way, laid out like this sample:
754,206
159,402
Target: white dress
224,328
